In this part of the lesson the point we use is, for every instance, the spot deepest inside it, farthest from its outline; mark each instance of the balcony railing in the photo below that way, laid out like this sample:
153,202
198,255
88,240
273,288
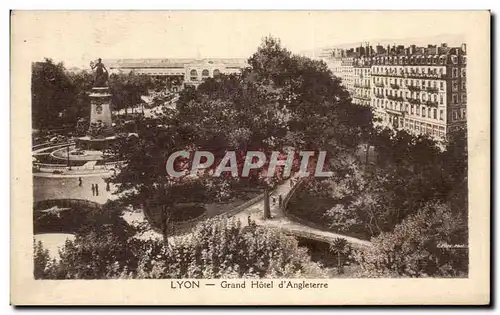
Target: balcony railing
413,88
431,104
413,101
379,95
395,98
394,86
411,75
379,84
432,89
425,75
362,97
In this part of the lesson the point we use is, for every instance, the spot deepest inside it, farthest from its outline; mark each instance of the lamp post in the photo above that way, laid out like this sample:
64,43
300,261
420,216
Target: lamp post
67,154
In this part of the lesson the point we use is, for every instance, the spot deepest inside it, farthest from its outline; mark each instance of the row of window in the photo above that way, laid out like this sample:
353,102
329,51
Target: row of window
412,60
204,74
424,128
458,114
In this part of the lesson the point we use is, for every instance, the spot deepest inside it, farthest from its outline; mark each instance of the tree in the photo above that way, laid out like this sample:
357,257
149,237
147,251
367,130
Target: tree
51,93
127,89
423,245
343,250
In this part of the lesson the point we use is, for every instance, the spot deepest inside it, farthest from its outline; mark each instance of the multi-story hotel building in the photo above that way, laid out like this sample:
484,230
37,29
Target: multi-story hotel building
420,89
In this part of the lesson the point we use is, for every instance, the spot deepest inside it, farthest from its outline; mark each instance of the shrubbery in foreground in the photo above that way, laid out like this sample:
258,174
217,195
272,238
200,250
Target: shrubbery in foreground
217,248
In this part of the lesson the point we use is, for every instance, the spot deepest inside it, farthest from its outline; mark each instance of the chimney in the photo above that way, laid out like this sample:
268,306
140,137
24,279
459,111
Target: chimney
464,48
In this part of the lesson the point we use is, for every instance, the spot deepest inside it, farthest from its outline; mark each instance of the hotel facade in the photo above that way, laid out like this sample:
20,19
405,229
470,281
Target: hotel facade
419,89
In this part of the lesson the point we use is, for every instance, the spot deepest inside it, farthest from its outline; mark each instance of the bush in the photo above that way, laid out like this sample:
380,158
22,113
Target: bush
217,248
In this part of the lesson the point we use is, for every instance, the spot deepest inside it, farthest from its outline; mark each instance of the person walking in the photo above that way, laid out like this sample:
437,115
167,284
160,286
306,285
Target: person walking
279,201
93,190
96,190
79,182
107,186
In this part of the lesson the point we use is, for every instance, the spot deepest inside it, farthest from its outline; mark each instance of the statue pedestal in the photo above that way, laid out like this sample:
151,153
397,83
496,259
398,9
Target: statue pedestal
100,112
100,133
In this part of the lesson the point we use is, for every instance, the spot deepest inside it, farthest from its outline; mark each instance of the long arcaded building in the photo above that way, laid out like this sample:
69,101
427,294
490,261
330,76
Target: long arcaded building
180,71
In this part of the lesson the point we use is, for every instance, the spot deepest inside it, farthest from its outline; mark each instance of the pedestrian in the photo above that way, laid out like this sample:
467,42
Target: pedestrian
291,182
107,186
93,190
96,190
279,201
79,181
274,200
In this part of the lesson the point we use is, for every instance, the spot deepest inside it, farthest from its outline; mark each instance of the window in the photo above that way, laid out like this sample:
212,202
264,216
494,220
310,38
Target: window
464,98
216,72
454,115
441,99
454,98
441,115
205,73
434,113
455,85
423,112
441,85
463,113
454,72
194,75
429,112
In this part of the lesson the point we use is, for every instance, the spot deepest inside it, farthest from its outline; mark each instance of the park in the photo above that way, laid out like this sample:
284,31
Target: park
272,164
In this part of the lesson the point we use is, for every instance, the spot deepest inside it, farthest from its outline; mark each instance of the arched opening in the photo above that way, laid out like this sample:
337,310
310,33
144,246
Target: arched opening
193,75
216,72
205,74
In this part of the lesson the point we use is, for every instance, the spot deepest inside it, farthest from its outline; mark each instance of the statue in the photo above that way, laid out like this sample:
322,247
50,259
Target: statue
101,73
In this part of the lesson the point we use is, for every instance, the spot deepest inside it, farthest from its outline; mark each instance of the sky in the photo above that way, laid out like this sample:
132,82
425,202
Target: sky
77,37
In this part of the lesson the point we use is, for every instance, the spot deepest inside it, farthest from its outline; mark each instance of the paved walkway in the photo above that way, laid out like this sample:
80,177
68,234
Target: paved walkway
280,221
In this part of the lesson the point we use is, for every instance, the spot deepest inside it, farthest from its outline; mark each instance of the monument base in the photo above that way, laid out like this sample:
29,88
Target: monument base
95,144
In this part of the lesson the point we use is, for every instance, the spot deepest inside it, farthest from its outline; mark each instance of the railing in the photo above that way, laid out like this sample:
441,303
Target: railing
411,75
431,104
65,203
413,88
413,101
395,98
432,89
394,86
379,84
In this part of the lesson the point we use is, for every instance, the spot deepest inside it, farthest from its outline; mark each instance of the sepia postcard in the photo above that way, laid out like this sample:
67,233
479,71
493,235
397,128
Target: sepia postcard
250,157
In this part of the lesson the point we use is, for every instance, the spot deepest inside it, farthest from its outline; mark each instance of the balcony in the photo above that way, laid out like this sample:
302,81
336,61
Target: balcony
379,84
379,95
413,101
413,88
424,75
394,86
431,104
395,98
432,89
362,97
395,111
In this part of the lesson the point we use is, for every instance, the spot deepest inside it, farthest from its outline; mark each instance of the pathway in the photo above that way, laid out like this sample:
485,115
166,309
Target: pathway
281,222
